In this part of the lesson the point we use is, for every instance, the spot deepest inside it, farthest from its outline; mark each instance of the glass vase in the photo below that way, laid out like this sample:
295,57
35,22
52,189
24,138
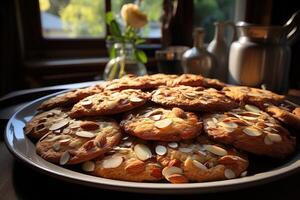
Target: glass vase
124,63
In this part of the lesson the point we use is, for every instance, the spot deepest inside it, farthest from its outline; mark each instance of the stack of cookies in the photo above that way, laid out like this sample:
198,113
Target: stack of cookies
159,128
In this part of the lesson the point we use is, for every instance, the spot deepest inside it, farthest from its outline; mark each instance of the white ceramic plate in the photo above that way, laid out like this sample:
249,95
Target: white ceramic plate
23,148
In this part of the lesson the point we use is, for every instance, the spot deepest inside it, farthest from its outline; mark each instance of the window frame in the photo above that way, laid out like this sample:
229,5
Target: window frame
37,46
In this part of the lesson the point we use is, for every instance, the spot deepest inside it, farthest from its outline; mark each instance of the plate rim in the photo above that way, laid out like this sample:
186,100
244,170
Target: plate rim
158,188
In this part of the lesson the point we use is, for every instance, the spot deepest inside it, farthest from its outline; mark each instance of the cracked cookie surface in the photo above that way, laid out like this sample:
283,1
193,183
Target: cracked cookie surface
252,130
193,98
200,160
74,141
131,160
155,123
109,102
70,98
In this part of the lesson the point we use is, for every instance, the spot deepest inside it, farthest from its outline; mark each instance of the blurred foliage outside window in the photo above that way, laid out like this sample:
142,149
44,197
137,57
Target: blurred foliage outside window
85,18
206,12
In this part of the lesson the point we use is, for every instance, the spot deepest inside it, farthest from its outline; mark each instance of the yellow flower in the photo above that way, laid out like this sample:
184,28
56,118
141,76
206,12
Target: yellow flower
133,16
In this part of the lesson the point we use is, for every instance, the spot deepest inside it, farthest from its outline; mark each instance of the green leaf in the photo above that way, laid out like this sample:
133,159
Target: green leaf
139,41
115,29
109,17
141,56
112,52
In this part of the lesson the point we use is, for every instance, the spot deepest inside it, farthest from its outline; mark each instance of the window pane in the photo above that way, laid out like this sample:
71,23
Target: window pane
206,12
153,9
73,18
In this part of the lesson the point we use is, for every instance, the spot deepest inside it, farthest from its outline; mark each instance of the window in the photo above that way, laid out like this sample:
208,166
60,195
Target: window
206,12
85,18
153,9
73,18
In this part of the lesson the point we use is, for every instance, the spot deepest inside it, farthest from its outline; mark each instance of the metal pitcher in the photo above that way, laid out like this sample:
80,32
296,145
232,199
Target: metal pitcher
261,55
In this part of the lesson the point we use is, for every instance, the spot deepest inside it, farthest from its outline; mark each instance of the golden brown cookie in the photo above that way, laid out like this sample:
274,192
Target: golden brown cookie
253,96
285,114
40,124
131,160
193,98
195,81
187,79
70,98
72,141
213,83
252,130
109,102
154,123
199,161
126,82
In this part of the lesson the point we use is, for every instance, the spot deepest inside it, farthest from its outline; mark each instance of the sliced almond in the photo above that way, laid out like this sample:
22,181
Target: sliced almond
58,125
86,102
74,125
249,118
142,152
243,174
88,166
56,146
229,174
153,112
199,165
179,113
155,117
112,162
65,157
127,143
173,145
135,99
230,125
215,120
211,124
160,150
135,167
63,141
177,178
185,149
252,108
75,143
163,123
168,171
274,137
267,140
85,134
189,95
252,131
215,150
125,138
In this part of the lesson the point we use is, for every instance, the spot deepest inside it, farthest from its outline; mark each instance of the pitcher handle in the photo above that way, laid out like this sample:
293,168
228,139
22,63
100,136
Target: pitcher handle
232,25
292,28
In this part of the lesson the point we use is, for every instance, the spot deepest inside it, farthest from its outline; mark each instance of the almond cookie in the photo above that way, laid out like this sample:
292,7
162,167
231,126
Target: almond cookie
109,102
252,130
69,98
154,123
187,79
193,98
74,141
253,96
131,160
126,82
213,83
42,123
285,113
195,81
199,161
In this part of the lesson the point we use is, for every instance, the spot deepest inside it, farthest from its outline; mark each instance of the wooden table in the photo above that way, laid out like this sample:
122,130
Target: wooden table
19,181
